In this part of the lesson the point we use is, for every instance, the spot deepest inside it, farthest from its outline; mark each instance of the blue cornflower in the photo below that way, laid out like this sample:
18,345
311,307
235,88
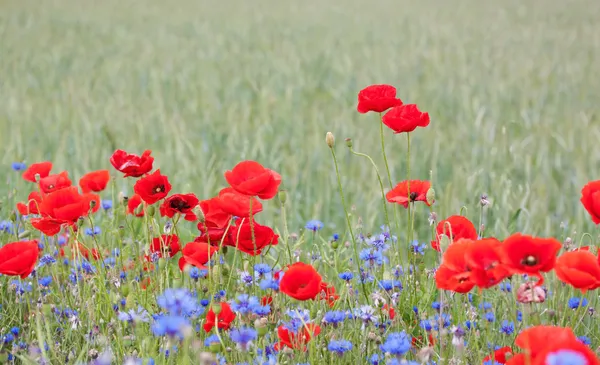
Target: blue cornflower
566,357
243,336
18,166
426,324
366,313
262,269
519,316
179,302
334,317
375,359
585,340
87,267
171,325
372,257
491,362
46,260
6,227
15,331
335,237
246,278
134,316
115,252
418,248
211,339
436,305
244,304
21,287
93,232
444,320
45,281
346,276
204,302
470,324
490,317
378,243
505,286
314,225
220,294
194,273
485,306
339,346
507,327
390,284
269,284
8,338
299,318
107,204
261,310
396,343
576,302
109,262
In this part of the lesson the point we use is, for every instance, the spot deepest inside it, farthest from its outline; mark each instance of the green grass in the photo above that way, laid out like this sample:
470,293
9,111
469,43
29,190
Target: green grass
510,86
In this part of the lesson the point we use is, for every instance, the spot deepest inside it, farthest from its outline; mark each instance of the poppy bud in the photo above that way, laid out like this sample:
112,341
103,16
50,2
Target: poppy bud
199,213
349,142
335,245
92,204
162,263
216,308
80,222
282,196
24,234
37,177
13,216
225,272
444,242
329,139
122,198
430,196
139,210
125,290
215,347
150,211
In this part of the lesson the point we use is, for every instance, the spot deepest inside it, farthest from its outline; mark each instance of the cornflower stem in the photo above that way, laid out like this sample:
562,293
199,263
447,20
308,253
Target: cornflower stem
341,191
387,168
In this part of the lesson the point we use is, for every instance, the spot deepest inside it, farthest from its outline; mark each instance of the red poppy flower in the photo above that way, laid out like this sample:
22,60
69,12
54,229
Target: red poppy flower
484,259
400,195
165,244
132,206
18,258
455,227
296,341
222,321
48,226
328,293
590,198
377,98
580,269
241,237
535,339
94,181
213,213
405,118
132,165
80,249
499,356
214,235
301,281
418,342
570,347
252,179
390,311
180,204
66,205
530,255
92,201
40,169
266,300
32,205
197,253
183,264
153,187
454,274
55,182
236,204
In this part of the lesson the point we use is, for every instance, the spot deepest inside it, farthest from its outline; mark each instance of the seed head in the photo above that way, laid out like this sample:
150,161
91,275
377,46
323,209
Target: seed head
329,139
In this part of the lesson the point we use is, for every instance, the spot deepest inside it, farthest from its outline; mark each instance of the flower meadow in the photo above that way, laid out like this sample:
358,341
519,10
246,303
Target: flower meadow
92,275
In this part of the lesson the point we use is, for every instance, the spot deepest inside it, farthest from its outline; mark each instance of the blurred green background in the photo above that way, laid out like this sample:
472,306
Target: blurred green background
512,88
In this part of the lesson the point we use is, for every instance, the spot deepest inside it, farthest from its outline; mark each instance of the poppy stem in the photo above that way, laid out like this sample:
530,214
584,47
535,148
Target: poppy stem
251,217
387,167
285,231
341,191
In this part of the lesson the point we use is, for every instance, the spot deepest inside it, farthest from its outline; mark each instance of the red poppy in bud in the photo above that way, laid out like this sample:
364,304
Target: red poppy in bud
252,179
530,255
499,356
590,198
180,204
18,258
40,169
405,118
94,181
32,205
301,281
198,253
165,245
213,213
55,182
237,204
454,274
153,187
483,258
132,165
296,341
328,293
133,206
580,269
377,98
222,320
400,194
454,227
241,237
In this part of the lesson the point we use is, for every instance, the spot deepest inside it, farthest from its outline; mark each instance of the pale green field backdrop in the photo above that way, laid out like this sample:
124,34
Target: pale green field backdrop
512,88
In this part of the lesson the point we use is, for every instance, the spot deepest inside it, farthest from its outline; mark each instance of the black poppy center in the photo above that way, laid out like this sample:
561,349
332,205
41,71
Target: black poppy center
180,205
413,196
529,261
159,189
